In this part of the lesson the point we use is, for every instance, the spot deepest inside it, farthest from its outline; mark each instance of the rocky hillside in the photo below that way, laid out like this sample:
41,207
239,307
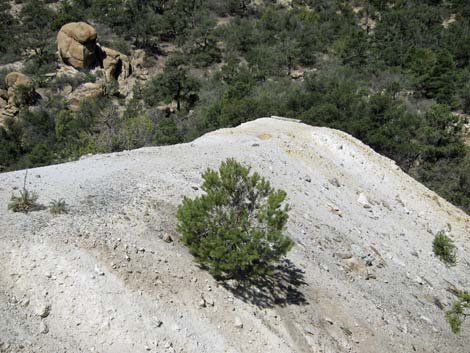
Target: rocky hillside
79,53
112,275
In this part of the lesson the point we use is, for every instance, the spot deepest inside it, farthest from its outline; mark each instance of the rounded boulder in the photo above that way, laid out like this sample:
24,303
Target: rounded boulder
15,79
76,42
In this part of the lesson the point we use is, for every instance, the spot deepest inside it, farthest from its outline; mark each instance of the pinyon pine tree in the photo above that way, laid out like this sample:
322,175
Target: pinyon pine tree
235,230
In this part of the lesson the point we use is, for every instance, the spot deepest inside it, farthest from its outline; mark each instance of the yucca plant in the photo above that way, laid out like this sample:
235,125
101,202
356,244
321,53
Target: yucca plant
26,201
58,207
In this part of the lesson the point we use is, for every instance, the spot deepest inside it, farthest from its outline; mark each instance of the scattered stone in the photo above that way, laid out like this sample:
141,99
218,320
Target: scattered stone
346,331
308,179
386,205
334,182
368,259
98,271
343,256
355,265
426,319
238,323
370,275
309,329
167,238
438,303
209,301
43,310
43,328
296,74
336,211
364,200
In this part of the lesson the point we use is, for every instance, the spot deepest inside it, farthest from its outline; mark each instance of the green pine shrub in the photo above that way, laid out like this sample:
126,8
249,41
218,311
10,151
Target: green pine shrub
445,249
236,230
459,312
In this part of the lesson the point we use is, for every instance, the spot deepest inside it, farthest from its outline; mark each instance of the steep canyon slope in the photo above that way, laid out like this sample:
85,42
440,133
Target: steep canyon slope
112,275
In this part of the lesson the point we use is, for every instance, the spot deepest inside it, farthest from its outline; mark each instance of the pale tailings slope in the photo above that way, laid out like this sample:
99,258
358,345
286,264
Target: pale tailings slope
106,277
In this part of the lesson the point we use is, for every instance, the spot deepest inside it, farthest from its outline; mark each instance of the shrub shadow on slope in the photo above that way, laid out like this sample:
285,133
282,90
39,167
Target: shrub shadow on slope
281,288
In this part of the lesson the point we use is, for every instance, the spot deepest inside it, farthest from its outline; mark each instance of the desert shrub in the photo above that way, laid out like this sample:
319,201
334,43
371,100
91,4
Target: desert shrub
444,248
3,73
41,63
111,89
121,45
136,131
41,154
58,207
25,95
465,99
167,132
174,84
26,201
459,312
61,81
68,11
235,230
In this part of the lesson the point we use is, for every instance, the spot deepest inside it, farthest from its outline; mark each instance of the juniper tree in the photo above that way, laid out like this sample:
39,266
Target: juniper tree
236,229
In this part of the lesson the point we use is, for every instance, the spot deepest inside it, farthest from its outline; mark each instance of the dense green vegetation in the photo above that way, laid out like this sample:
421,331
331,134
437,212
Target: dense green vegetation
445,249
391,73
459,311
236,229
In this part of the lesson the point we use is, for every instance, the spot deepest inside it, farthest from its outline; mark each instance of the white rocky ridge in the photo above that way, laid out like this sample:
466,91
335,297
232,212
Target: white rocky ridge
105,278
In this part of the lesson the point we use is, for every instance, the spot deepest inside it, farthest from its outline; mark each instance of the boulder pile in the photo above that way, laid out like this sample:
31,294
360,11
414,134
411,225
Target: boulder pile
87,90
11,99
79,50
116,65
78,47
